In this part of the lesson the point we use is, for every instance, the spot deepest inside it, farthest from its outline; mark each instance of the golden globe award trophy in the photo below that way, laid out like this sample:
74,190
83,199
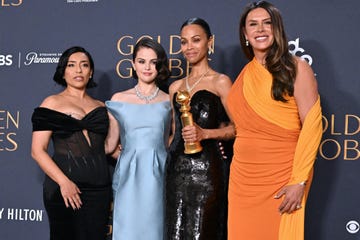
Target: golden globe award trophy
183,98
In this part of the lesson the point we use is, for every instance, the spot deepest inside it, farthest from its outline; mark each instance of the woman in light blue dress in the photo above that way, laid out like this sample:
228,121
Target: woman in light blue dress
141,116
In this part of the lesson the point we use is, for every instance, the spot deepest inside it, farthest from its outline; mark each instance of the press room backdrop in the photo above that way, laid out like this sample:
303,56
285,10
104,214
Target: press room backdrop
34,33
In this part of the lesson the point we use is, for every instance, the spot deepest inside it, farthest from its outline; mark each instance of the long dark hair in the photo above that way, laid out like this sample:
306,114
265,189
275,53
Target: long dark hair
162,60
63,61
279,61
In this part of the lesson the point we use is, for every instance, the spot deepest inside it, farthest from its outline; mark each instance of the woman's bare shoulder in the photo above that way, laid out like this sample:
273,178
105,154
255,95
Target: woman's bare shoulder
52,101
120,96
175,86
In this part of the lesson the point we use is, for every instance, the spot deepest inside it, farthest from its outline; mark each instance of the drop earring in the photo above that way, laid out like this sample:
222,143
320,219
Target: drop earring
209,51
247,42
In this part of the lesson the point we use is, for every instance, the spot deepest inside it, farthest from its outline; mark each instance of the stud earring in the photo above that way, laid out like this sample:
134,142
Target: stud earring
247,42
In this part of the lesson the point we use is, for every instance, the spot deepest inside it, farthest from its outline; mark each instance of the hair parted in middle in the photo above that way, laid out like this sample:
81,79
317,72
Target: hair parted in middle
279,61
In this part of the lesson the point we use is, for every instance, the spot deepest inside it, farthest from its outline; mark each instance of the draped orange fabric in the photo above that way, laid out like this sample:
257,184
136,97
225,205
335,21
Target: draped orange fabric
271,150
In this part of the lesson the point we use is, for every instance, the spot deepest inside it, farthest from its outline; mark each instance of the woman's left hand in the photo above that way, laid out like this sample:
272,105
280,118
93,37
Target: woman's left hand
193,133
293,195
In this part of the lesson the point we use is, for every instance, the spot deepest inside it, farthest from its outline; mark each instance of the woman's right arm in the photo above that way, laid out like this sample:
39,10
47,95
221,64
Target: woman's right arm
69,191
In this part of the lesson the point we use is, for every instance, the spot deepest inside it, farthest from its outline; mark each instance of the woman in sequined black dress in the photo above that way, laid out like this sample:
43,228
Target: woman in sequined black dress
196,184
77,186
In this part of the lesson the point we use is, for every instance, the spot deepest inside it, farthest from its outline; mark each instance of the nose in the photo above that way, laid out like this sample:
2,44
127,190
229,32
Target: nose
260,27
147,66
189,45
78,68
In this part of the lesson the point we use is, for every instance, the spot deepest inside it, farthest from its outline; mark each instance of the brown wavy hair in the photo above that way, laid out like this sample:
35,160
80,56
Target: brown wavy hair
279,61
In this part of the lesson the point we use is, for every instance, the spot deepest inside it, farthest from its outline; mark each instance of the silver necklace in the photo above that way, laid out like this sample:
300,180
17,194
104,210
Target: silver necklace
188,88
146,98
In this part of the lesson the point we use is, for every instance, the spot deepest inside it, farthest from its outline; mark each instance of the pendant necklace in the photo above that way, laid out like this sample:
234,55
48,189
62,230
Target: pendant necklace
188,88
146,98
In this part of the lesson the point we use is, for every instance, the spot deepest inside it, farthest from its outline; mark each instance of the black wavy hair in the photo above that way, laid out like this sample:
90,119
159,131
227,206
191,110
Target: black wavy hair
162,60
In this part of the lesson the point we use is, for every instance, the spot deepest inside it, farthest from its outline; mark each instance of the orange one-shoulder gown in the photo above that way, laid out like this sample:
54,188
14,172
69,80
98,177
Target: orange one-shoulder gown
272,149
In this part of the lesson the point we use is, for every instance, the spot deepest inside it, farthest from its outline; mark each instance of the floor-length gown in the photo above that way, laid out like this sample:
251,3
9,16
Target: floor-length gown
84,162
196,184
139,173
272,149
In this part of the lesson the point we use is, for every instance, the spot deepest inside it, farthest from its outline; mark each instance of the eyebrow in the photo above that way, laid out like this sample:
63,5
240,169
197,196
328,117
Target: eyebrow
80,61
197,35
253,20
139,58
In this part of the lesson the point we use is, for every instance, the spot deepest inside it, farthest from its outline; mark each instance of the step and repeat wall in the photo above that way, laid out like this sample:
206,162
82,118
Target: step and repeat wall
34,33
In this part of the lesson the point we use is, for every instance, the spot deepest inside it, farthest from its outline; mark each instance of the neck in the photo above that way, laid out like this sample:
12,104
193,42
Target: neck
146,88
148,96
199,70
76,93
261,57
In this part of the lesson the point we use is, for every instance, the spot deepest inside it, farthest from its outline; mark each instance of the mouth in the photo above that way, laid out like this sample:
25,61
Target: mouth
190,55
261,38
147,73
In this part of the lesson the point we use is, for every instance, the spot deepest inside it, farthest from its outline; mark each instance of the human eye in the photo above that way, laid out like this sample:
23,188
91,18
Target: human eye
154,62
86,64
141,61
70,64
183,42
252,24
268,22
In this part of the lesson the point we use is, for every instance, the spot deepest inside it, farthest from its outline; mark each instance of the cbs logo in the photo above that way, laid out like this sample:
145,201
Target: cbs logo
6,60
352,227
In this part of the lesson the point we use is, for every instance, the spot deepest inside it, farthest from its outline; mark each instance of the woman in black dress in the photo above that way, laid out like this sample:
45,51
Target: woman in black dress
196,184
77,186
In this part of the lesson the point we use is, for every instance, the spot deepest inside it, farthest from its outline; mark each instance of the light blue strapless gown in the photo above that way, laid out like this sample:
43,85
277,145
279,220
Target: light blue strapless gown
139,173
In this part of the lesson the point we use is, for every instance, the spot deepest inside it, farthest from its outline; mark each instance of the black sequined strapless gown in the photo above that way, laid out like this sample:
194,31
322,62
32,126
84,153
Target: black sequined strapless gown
196,184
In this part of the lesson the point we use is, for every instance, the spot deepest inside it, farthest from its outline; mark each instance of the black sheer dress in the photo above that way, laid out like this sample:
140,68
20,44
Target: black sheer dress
84,162
196,184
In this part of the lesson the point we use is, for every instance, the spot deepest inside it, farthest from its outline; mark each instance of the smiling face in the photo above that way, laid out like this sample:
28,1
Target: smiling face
258,30
78,71
194,43
145,64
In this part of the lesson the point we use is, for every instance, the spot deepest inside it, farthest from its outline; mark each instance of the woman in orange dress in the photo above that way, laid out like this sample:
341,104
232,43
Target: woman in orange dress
275,106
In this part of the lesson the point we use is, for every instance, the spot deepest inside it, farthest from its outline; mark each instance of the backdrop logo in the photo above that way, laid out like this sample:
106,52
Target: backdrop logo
10,3
6,60
21,214
352,227
9,125
177,65
295,49
40,58
341,138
